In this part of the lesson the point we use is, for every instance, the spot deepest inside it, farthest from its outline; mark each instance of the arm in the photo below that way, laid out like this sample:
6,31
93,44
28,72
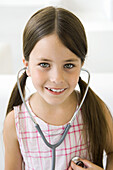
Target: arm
108,149
109,161
13,158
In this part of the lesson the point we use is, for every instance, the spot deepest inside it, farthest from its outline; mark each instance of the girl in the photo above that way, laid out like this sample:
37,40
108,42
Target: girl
55,47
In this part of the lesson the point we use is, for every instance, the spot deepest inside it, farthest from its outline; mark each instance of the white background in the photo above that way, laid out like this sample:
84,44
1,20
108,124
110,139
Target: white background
96,16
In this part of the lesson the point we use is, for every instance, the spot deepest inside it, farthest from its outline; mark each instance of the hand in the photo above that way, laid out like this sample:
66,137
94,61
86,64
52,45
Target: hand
90,166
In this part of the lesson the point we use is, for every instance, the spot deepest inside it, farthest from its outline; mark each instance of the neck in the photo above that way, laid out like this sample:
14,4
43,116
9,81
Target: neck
54,114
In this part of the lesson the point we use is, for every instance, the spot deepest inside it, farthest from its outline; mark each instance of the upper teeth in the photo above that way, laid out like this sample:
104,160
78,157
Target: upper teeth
55,90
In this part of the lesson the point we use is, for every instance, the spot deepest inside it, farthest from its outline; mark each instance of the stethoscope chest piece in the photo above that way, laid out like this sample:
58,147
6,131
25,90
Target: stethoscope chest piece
53,147
78,162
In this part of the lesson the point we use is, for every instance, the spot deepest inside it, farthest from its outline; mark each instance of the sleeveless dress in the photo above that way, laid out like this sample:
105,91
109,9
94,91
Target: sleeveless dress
36,155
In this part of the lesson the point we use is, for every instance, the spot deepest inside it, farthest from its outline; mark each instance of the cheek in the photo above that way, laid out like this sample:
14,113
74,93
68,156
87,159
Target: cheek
74,82
73,79
38,78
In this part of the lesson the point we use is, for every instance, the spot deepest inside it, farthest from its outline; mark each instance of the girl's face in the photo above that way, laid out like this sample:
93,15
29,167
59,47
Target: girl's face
54,70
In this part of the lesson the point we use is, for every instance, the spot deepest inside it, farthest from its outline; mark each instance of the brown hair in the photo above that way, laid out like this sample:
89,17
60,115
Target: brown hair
72,34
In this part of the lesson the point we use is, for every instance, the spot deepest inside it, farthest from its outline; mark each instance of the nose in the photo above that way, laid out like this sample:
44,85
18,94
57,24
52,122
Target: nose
57,76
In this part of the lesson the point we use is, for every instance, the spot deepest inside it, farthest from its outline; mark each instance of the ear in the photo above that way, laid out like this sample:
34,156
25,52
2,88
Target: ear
82,64
26,65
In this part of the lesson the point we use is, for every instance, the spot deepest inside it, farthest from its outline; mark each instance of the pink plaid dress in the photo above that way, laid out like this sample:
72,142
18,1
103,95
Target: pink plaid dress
36,155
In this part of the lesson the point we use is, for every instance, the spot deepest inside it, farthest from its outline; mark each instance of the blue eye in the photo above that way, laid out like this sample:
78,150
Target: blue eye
69,66
44,65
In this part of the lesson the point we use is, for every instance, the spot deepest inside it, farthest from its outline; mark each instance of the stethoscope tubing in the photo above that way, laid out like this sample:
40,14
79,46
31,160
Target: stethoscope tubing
53,146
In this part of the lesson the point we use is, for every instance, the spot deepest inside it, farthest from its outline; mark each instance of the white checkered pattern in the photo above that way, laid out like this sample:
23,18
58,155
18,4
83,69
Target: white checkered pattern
36,155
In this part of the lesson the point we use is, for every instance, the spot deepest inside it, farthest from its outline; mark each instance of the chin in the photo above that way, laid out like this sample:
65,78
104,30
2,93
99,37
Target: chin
54,102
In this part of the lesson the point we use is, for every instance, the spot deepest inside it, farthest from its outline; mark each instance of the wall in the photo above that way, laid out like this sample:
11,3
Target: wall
99,30
98,22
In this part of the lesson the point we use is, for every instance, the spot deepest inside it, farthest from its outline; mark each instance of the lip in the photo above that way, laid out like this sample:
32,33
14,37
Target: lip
55,91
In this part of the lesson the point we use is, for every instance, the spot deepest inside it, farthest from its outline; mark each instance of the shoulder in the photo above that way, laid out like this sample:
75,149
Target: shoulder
109,120
13,158
9,129
107,113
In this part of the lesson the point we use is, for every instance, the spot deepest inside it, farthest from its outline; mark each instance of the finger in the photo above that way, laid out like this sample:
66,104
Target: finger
76,167
69,168
87,163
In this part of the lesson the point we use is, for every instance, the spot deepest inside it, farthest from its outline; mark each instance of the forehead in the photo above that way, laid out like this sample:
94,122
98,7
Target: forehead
51,47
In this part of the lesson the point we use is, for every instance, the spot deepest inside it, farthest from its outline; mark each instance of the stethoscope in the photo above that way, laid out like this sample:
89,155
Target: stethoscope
54,146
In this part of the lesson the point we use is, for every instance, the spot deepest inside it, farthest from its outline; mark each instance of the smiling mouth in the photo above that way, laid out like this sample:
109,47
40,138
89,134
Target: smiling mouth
56,90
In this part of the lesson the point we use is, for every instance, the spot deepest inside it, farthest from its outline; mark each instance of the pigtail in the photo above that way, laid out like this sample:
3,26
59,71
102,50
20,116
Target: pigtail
95,124
15,98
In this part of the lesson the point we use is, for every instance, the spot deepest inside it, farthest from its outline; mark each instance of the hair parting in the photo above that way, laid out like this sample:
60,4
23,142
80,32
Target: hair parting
71,32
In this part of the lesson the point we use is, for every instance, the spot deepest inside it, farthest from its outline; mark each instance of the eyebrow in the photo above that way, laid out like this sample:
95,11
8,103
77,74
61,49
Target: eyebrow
70,60
44,59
